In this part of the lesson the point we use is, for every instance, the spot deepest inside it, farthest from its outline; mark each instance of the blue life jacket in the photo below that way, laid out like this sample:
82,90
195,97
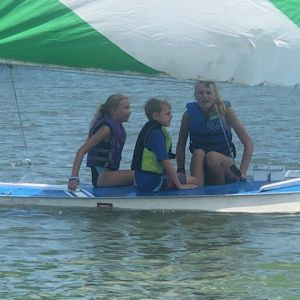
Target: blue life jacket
206,132
107,153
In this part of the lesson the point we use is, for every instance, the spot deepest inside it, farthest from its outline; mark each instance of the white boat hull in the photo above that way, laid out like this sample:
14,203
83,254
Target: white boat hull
285,200
288,203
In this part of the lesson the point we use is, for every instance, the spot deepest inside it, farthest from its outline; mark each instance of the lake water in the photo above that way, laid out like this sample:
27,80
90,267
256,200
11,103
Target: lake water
52,253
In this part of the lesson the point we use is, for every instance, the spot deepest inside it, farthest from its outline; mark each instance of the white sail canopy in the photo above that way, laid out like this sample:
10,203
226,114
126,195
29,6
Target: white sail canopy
249,42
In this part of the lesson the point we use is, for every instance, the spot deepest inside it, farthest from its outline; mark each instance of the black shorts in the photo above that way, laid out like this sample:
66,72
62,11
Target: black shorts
95,175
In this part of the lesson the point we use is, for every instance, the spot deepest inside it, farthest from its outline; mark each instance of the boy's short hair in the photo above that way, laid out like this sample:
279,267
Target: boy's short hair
155,105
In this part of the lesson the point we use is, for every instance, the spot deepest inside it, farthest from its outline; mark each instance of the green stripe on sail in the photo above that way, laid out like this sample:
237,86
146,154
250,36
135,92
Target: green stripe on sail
46,32
290,8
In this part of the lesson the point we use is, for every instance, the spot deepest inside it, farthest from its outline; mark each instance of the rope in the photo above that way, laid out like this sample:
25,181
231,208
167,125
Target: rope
223,129
27,160
234,168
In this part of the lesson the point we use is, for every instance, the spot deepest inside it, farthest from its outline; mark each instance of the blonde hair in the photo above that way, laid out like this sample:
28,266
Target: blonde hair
155,105
105,109
219,106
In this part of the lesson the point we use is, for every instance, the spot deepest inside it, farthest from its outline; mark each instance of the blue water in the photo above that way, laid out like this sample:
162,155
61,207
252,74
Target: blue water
52,253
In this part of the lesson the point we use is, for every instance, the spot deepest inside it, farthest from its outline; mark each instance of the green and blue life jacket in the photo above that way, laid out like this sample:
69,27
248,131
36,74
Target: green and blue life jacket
143,158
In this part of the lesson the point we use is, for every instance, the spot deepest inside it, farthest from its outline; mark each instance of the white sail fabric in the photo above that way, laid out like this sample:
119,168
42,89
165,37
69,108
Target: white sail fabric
248,41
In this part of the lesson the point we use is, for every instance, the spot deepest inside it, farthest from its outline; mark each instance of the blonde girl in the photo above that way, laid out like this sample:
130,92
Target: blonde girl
208,122
104,145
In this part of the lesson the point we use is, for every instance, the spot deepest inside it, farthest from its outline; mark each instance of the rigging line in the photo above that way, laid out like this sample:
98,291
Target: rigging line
223,129
234,169
21,122
112,74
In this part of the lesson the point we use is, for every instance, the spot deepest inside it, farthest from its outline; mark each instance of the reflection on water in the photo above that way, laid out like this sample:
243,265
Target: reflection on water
51,253
90,254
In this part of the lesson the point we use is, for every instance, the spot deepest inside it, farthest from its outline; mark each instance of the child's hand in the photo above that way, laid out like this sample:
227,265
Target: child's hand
73,183
242,179
188,186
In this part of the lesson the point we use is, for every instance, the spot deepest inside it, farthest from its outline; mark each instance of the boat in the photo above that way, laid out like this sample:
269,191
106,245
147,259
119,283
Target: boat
243,197
182,40
250,196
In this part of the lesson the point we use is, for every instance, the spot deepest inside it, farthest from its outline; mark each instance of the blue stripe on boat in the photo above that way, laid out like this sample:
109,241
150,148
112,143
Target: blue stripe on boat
242,188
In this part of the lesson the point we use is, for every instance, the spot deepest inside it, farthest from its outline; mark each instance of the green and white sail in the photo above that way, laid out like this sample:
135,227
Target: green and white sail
249,41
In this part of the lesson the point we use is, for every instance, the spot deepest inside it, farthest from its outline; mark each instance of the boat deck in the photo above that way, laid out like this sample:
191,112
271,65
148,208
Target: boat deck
43,190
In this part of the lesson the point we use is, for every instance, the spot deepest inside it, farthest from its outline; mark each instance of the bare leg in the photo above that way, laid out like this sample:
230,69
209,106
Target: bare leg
115,178
197,166
219,167
191,180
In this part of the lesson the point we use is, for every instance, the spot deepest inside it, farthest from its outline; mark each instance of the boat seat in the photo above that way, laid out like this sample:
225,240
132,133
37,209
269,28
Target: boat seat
292,174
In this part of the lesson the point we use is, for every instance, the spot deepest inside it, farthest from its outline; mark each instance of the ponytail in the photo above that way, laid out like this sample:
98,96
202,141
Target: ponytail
105,109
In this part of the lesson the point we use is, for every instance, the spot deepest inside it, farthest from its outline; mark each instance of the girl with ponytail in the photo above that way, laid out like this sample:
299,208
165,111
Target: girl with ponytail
104,145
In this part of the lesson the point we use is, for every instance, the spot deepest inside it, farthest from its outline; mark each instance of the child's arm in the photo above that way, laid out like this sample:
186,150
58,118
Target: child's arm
181,143
173,180
102,134
244,137
171,173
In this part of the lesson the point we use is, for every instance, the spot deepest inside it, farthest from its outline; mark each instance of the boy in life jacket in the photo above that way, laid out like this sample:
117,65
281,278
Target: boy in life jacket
151,161
104,145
